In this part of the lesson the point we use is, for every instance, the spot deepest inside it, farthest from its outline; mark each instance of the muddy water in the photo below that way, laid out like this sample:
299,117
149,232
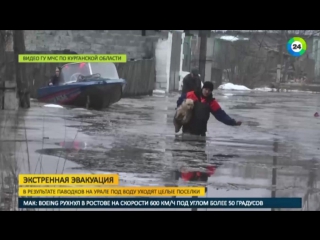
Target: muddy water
275,153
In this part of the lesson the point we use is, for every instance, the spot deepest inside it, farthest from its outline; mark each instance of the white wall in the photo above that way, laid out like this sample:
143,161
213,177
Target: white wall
169,52
182,74
163,57
182,55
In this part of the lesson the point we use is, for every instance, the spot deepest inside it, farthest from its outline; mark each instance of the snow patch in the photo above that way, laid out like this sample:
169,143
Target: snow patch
264,89
53,106
298,91
234,87
159,91
79,109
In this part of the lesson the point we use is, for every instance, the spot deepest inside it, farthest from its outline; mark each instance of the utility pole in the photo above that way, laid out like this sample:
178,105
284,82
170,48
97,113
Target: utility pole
203,34
20,69
280,59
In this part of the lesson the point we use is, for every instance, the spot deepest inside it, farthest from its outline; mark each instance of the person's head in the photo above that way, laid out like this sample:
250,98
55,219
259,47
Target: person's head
58,69
207,88
195,73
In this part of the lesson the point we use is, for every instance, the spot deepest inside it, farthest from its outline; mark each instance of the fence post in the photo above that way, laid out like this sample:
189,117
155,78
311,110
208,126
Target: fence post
9,97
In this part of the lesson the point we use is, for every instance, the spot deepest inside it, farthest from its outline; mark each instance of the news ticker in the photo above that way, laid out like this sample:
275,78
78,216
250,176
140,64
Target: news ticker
76,185
160,203
68,58
68,179
113,192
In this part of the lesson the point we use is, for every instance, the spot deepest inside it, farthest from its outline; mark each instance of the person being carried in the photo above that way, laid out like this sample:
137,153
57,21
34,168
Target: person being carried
204,104
191,82
55,79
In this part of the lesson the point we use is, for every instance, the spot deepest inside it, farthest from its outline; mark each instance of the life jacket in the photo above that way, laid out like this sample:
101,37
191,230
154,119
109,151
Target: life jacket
200,116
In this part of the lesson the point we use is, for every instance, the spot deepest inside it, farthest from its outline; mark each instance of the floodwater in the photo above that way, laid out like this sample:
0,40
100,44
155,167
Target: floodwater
275,153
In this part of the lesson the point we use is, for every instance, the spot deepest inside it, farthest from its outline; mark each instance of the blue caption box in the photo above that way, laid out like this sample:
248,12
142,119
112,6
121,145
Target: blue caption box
160,202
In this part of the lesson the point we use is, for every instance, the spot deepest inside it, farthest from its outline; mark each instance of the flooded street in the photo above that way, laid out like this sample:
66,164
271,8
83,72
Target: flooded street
275,153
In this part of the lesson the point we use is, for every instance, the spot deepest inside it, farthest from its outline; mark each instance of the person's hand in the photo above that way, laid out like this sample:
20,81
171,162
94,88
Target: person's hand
238,123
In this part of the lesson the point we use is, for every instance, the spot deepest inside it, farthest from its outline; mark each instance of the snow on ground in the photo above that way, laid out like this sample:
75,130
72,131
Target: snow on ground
234,87
159,91
299,91
53,106
264,89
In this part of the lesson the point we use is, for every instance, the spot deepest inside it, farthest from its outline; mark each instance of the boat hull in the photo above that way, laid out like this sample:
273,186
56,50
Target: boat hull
95,95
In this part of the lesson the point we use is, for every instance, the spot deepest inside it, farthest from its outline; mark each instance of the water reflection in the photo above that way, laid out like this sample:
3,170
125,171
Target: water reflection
74,145
199,164
274,170
135,138
312,195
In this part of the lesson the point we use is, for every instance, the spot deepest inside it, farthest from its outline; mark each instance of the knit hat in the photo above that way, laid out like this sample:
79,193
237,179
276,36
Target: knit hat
195,72
208,85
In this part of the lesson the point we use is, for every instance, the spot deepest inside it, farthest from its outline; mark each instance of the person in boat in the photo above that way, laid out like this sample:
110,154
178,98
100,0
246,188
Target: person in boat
204,104
191,82
55,79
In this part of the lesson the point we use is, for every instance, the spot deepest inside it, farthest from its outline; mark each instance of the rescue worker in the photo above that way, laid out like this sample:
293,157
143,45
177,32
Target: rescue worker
204,104
191,82
55,79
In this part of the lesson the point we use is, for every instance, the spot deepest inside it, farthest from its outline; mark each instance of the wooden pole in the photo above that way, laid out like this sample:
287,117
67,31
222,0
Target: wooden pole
280,60
21,78
203,34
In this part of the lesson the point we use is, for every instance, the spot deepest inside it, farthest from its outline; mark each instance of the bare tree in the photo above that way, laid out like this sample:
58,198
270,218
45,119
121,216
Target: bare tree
254,61
4,37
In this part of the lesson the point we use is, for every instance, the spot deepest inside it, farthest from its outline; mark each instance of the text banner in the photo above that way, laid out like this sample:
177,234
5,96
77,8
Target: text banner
69,58
160,203
68,179
113,192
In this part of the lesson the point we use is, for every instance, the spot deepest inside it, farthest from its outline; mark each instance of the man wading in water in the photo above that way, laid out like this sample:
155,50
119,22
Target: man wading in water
204,104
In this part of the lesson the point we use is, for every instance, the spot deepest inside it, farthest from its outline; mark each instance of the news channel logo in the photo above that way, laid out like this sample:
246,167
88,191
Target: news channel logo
296,46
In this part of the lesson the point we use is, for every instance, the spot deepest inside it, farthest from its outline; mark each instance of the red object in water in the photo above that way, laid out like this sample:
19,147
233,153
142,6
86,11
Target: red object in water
316,114
72,145
186,176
